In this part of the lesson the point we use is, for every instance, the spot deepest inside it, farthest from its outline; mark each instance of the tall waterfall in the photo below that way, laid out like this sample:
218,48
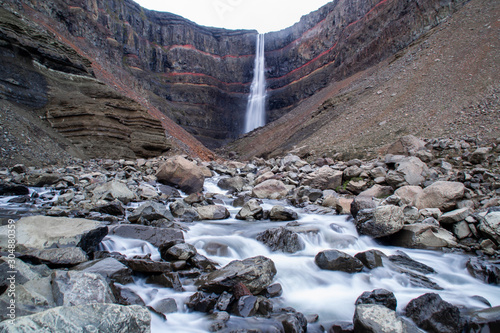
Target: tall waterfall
256,107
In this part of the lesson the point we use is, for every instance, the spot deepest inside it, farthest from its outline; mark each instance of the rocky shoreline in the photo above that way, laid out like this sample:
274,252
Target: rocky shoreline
436,194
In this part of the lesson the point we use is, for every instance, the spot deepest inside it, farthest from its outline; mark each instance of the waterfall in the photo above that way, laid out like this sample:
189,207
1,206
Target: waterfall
256,107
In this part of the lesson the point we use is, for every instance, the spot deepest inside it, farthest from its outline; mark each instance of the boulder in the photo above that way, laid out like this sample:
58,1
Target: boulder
155,236
256,273
423,236
183,211
490,225
356,186
377,191
371,258
113,190
406,145
485,320
412,169
380,222
232,184
202,302
281,239
251,210
148,212
378,296
67,256
454,216
102,318
281,213
165,305
374,318
28,301
484,270
78,288
178,171
270,189
114,208
335,260
212,212
167,280
14,189
432,314
408,194
109,268
441,194
42,232
361,202
181,251
324,178
479,155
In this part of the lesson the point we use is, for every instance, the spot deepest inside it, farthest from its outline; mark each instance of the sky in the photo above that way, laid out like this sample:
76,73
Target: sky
262,15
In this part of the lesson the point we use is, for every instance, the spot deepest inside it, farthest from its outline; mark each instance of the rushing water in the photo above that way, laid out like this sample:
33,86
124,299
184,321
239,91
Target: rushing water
256,107
306,288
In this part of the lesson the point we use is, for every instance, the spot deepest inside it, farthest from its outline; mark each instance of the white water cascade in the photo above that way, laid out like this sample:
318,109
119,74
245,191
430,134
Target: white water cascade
256,107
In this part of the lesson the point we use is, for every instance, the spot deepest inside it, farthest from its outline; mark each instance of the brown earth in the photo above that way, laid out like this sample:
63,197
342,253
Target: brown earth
446,84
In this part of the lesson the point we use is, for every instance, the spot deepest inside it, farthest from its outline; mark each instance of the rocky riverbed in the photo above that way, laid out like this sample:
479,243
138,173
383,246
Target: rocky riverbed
75,226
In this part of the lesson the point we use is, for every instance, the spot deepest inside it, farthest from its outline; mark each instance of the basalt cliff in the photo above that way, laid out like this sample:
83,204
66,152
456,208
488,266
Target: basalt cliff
110,77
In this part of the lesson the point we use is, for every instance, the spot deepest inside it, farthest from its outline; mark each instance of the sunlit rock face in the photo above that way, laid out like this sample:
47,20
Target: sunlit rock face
200,76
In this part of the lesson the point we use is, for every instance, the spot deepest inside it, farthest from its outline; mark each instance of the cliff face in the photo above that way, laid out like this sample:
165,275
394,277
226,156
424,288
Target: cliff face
199,77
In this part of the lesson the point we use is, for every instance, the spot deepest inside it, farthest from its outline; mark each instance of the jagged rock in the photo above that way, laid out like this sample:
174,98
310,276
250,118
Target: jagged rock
408,194
68,256
232,184
103,318
182,251
487,271
183,211
194,198
251,210
78,288
371,258
178,171
113,190
485,320
110,268
167,280
454,216
380,222
378,296
274,290
165,305
125,296
406,145
479,155
404,261
357,186
256,273
462,230
148,212
203,263
335,260
280,213
42,232
373,318
246,306
423,236
361,202
433,314
441,194
155,236
114,208
281,239
148,266
270,189
324,178
291,320
202,302
490,225
213,212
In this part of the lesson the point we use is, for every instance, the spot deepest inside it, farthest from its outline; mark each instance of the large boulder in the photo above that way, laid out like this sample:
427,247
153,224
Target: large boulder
412,169
77,288
232,184
103,318
441,194
378,296
43,232
432,314
408,194
281,213
113,190
155,236
423,236
212,212
374,318
270,189
255,273
335,260
66,256
490,225
178,171
380,222
251,211
324,178
281,239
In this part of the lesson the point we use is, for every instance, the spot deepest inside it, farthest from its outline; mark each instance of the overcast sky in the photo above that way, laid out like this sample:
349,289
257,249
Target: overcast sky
262,15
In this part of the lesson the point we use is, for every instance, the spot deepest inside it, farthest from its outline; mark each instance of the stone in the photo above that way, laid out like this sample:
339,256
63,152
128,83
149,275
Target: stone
202,302
324,178
423,236
281,239
433,314
461,230
103,318
485,320
441,194
42,232
182,251
166,280
148,266
270,189
490,225
404,261
281,213
246,306
232,184
165,305
408,194
377,191
256,273
335,260
274,290
357,186
110,268
371,258
57,257
406,145
382,297
374,318
343,206
251,210
125,296
150,211
380,222
155,236
183,211
454,216
479,155
14,189
72,288
212,212
484,270
178,171
114,208
113,190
